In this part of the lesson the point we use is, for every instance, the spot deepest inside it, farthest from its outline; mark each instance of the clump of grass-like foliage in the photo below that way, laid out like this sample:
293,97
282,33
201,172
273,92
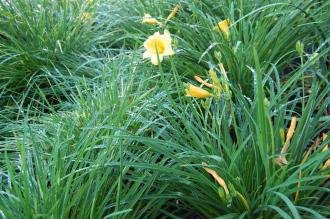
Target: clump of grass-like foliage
90,129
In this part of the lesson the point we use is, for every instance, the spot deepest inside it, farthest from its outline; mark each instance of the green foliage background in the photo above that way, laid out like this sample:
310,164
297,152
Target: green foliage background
88,129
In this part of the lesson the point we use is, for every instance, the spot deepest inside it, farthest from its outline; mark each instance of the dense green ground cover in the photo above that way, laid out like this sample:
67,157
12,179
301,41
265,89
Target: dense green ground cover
91,129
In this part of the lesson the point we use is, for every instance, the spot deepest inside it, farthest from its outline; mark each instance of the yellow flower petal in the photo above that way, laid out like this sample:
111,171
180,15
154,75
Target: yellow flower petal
193,91
168,52
223,26
167,38
146,54
154,59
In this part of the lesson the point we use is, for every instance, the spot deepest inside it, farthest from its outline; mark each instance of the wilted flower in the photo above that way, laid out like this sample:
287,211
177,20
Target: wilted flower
149,20
194,91
200,80
281,160
219,180
158,46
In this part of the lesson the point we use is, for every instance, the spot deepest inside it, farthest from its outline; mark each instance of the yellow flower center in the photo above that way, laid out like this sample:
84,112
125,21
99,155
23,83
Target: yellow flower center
160,45
157,45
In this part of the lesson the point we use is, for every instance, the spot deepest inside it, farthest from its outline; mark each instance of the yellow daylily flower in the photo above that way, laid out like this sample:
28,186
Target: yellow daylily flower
194,91
149,20
158,46
223,26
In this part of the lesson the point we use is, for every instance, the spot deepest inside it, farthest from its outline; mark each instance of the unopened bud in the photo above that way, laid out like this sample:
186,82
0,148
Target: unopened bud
300,47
